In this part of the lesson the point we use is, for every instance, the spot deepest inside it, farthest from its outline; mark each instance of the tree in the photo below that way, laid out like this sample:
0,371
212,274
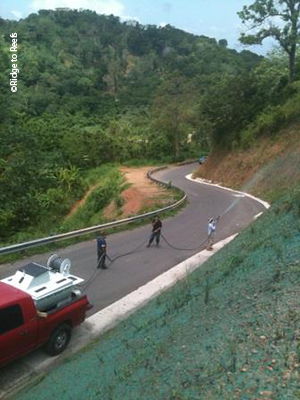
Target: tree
228,107
93,90
223,43
174,113
262,16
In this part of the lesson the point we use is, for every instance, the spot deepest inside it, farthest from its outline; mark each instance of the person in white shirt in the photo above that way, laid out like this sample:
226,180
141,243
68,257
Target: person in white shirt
211,232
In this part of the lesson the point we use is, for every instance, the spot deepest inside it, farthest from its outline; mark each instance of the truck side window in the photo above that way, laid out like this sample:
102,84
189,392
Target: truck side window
10,318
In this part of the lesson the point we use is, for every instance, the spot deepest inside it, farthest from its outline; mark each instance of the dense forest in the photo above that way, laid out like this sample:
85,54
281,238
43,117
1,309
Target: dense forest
94,90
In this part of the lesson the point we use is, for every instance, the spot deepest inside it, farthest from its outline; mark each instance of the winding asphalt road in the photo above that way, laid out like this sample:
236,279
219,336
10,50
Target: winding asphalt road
185,230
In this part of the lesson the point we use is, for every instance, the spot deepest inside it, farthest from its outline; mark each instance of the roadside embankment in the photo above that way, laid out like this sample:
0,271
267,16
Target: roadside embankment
229,330
267,169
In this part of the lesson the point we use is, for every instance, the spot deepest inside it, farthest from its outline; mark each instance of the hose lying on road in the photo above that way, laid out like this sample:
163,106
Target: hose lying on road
112,260
180,248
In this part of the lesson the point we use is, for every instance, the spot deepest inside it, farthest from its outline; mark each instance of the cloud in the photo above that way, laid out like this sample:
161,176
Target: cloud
107,7
163,24
17,14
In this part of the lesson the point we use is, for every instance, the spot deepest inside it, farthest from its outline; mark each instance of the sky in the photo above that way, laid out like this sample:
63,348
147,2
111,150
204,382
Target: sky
213,18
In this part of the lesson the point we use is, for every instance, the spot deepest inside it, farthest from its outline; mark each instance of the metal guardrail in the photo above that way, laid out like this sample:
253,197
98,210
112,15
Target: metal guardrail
80,232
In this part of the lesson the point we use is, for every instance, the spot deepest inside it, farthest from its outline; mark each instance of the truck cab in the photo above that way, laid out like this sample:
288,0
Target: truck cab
18,323
39,306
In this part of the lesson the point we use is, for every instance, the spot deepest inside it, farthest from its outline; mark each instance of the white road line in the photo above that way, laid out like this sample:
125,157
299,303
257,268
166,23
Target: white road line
110,316
203,182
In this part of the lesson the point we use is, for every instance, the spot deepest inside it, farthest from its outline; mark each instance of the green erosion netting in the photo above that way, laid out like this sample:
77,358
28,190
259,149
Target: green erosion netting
231,330
277,176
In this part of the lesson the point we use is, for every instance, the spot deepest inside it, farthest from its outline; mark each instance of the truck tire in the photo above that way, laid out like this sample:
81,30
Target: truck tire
59,340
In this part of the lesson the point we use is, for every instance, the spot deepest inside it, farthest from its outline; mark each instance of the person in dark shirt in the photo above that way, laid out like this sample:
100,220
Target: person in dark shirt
101,251
156,231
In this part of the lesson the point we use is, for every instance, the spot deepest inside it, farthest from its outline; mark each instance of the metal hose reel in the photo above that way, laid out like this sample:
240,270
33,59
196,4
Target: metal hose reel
56,263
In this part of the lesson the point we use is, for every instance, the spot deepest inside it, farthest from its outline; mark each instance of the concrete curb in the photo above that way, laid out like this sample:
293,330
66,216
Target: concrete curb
120,310
36,364
109,317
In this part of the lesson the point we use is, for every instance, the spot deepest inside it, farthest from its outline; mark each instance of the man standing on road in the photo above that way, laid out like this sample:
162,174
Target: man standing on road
211,232
156,231
101,251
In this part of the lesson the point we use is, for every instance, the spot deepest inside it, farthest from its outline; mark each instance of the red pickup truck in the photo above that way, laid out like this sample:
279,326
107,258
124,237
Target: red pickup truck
23,328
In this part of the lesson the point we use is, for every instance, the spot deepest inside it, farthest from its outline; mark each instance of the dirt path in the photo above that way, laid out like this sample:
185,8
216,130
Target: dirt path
81,202
141,193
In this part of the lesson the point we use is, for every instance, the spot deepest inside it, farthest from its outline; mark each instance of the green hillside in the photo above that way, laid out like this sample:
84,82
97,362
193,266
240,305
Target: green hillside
93,90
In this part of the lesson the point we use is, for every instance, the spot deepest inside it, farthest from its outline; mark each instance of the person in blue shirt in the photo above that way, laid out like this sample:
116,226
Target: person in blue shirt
101,251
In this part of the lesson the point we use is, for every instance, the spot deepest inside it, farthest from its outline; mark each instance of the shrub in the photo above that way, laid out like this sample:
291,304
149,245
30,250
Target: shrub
248,137
270,121
119,201
91,212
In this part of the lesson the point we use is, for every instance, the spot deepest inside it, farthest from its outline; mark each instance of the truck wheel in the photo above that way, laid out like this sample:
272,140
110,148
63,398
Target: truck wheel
59,340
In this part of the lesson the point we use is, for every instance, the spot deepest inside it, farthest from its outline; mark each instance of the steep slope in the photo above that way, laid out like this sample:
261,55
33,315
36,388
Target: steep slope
229,331
267,169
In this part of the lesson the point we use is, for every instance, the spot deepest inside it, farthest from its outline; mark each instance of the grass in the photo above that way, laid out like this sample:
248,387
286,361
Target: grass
109,187
91,215
228,331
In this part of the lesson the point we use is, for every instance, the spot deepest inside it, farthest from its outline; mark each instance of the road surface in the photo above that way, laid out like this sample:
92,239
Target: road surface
187,229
